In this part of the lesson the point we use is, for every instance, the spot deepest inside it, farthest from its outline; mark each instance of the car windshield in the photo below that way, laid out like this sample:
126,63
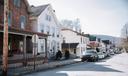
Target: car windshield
90,51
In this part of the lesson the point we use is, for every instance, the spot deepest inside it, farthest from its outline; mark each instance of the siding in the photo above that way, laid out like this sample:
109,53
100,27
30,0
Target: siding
16,13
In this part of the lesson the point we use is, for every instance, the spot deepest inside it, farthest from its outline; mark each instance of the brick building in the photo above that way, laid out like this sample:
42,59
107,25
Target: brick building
20,31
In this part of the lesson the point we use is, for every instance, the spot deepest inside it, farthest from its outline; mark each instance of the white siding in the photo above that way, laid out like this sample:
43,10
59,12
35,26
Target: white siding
72,37
51,26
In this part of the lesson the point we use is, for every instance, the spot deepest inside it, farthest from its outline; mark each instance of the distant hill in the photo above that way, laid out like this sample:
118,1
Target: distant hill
107,37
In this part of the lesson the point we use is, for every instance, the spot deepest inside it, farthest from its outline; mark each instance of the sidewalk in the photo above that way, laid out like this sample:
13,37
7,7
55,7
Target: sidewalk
122,59
30,68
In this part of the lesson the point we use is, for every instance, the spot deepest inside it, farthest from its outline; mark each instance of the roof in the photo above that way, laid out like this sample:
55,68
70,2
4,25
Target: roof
36,11
16,30
73,31
27,4
69,30
106,41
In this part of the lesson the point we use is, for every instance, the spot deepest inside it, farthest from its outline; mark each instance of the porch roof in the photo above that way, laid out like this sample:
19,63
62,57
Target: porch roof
69,45
23,32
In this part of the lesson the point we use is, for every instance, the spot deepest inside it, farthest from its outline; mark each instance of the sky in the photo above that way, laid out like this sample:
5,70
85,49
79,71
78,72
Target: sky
105,17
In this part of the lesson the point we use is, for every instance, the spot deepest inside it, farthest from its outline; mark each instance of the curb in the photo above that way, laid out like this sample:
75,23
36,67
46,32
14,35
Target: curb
40,68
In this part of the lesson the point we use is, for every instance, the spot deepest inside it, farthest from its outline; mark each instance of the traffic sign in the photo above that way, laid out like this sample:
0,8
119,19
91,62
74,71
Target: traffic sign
35,38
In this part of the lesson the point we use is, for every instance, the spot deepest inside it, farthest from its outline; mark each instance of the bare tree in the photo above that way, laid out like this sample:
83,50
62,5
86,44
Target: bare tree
124,34
72,24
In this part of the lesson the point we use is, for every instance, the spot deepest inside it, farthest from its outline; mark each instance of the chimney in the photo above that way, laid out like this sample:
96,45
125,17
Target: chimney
54,11
32,6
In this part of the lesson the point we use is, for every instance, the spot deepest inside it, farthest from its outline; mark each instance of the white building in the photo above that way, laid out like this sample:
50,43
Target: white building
74,42
43,19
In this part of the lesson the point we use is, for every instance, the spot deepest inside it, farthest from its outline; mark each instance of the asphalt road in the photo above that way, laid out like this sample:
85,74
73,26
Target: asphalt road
117,65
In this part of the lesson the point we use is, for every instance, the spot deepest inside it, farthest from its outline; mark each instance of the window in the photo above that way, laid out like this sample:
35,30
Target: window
48,17
53,31
57,35
17,3
9,18
81,39
58,45
42,28
48,29
64,39
57,32
22,22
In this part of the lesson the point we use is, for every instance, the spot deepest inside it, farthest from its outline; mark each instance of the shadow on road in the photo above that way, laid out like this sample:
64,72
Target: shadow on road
90,66
82,67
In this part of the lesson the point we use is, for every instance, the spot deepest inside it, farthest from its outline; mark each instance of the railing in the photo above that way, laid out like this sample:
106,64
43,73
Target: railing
1,24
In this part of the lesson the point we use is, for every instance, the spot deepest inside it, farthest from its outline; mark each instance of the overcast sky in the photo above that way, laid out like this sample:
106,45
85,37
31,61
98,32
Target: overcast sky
96,16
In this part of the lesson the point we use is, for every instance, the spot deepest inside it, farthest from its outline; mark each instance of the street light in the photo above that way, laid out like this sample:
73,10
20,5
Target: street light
5,39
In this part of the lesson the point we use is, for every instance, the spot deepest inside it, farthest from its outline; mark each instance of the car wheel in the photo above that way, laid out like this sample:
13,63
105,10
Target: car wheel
96,59
82,60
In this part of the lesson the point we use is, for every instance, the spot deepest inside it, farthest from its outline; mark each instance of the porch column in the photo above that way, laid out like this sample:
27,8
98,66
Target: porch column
24,51
46,58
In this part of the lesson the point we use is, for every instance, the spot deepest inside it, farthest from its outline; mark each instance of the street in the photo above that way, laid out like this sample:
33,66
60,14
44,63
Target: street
117,65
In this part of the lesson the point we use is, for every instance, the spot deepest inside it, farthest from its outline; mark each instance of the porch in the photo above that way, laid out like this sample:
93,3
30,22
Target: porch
71,47
20,46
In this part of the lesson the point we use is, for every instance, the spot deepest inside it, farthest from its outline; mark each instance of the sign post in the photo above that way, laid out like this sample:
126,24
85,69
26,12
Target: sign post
35,46
5,39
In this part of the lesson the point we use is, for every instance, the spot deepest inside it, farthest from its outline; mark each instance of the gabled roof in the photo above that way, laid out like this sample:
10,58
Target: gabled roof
36,11
78,33
27,5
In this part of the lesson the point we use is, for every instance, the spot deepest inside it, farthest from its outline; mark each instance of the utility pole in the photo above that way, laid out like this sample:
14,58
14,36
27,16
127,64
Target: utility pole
5,39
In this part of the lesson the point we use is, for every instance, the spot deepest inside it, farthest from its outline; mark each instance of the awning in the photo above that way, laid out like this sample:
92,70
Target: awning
69,45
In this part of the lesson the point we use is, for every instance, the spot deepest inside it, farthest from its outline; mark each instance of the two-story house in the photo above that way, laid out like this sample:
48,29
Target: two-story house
43,20
73,41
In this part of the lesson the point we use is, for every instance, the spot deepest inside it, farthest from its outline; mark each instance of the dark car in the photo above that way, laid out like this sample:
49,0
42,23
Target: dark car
90,55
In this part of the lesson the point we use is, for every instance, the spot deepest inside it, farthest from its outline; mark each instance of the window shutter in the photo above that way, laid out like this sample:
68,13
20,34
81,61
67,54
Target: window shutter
22,22
9,18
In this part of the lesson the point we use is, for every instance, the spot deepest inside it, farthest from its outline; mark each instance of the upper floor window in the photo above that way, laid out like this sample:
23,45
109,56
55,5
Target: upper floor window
58,35
81,39
48,17
48,29
42,28
53,31
9,18
22,21
64,39
57,32
16,3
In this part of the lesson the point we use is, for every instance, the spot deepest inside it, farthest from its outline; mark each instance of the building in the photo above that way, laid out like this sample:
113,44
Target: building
94,42
43,20
20,31
73,41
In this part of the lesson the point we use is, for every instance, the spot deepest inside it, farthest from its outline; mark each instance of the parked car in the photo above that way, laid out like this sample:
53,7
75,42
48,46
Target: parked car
117,51
101,55
90,55
111,52
105,54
